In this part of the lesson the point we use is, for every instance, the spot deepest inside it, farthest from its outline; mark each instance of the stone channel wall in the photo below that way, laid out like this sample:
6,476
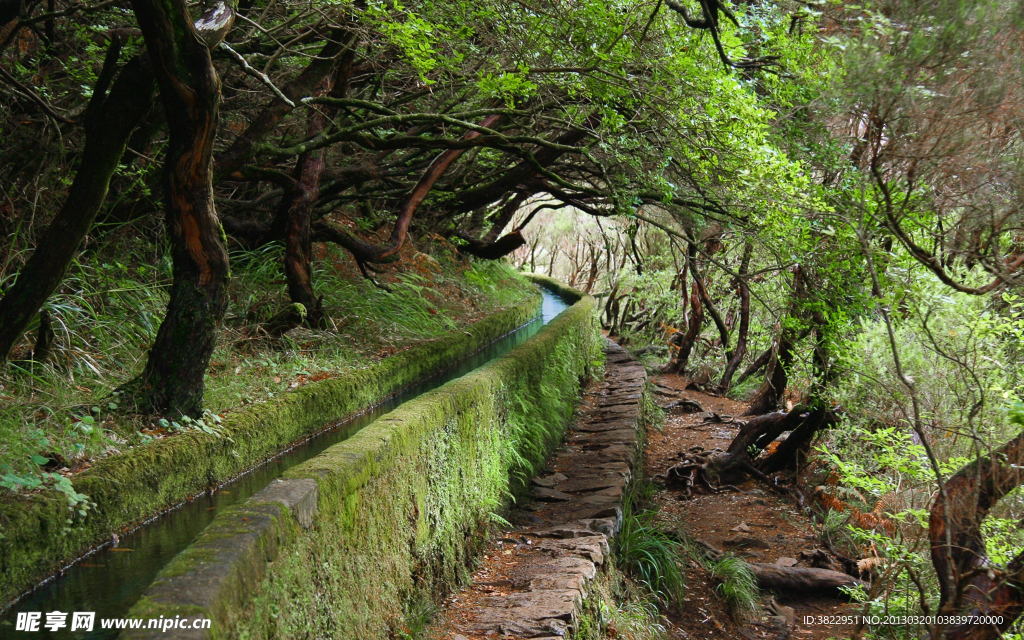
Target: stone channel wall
140,483
351,542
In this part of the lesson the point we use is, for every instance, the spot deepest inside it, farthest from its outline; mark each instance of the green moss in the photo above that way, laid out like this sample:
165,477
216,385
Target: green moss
403,503
556,286
144,480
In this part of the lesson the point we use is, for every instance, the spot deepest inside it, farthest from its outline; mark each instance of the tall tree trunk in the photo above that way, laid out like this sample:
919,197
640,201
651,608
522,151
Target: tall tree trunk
769,395
678,362
709,304
109,121
741,333
969,584
298,258
173,380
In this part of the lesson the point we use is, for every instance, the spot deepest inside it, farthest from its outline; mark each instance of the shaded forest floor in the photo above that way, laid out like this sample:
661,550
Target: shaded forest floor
754,524
63,416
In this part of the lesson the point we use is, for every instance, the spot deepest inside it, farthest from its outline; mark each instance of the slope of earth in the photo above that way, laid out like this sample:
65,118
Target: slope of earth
63,416
753,523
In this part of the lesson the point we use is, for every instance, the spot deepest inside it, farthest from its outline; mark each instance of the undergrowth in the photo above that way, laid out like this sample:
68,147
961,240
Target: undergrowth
646,551
737,585
58,417
632,615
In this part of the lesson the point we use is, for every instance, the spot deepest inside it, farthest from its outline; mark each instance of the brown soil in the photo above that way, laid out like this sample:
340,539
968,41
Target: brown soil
775,521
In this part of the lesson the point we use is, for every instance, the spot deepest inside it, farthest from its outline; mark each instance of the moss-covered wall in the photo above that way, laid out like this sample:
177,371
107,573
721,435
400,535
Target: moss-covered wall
402,503
143,481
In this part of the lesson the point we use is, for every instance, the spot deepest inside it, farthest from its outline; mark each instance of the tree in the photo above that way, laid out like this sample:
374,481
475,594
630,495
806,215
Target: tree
173,379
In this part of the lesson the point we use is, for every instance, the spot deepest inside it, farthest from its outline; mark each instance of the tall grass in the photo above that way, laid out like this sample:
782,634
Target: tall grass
110,306
737,585
649,554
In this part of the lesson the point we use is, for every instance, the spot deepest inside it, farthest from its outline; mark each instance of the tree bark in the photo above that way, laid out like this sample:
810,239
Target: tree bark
110,120
969,585
798,442
740,350
500,248
769,395
173,380
366,252
709,304
760,363
298,255
682,356
771,576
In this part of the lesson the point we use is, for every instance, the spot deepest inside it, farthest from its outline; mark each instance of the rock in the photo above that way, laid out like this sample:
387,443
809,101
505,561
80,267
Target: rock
550,495
685,405
609,512
786,562
787,614
592,484
749,542
741,528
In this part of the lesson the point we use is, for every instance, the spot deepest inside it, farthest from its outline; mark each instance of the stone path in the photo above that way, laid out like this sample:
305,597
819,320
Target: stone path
534,579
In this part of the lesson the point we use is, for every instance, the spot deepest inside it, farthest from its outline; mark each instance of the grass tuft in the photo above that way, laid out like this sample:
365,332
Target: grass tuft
649,554
737,586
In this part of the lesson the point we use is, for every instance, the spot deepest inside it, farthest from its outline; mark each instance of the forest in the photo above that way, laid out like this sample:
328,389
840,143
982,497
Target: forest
805,218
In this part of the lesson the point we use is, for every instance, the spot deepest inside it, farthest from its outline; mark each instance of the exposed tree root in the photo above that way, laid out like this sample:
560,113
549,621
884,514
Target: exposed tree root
773,576
744,459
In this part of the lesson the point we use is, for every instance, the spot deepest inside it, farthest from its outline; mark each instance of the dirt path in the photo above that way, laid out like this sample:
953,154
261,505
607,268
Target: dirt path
755,524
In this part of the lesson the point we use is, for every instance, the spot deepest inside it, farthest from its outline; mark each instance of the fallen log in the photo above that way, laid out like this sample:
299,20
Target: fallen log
772,576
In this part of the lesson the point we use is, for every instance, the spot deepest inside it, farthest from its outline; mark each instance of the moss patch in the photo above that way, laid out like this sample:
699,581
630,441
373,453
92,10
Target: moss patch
130,487
403,503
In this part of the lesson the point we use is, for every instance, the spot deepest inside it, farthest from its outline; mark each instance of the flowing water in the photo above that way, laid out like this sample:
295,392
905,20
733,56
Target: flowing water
110,580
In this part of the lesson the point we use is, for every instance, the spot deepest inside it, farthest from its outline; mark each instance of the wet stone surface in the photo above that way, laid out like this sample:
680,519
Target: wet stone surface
533,580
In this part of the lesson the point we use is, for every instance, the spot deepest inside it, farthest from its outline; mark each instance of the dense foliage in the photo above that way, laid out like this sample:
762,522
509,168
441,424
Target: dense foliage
814,206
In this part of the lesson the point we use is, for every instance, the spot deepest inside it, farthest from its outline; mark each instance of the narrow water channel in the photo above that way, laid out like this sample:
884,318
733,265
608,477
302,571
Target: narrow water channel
109,581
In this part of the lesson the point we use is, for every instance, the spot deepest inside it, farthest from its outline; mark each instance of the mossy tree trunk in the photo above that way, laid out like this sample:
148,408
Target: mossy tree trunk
190,90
